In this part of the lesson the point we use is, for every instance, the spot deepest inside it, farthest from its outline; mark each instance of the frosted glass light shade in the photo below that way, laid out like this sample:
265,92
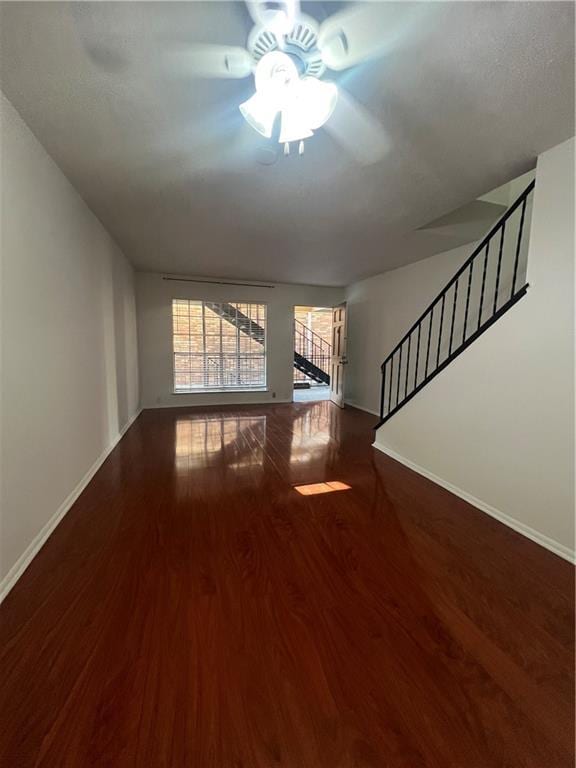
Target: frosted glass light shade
260,113
316,100
305,103
310,105
275,73
294,127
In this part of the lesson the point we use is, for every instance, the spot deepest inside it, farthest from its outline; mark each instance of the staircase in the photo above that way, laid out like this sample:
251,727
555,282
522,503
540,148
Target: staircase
485,287
311,354
239,320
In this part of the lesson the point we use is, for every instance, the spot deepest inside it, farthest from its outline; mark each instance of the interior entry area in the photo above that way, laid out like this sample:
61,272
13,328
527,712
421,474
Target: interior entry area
312,353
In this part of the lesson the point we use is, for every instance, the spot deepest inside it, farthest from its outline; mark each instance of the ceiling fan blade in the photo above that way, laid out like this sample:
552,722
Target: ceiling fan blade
357,131
213,61
359,33
279,16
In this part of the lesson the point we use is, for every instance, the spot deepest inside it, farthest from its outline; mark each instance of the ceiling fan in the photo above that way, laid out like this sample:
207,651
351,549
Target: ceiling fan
288,53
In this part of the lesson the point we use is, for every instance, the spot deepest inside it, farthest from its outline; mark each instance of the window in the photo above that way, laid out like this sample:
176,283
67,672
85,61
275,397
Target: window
218,345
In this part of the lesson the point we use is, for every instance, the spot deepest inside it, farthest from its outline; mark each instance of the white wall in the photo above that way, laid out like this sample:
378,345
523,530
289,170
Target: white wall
154,301
69,373
380,311
497,424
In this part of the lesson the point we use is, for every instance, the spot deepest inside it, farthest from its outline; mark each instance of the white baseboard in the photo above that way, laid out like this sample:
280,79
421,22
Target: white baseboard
40,539
155,406
361,407
525,530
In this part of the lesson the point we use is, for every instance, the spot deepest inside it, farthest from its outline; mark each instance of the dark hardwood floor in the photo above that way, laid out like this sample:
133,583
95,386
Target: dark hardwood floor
193,610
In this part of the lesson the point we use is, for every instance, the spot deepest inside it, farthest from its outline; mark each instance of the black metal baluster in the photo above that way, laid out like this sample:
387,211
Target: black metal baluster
390,387
518,244
428,346
499,268
399,373
440,329
497,312
483,284
417,355
407,365
453,316
382,390
467,301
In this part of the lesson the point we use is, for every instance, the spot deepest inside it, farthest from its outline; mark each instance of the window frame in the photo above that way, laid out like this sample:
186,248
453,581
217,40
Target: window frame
220,389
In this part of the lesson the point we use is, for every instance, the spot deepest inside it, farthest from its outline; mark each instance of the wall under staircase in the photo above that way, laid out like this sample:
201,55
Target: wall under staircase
496,425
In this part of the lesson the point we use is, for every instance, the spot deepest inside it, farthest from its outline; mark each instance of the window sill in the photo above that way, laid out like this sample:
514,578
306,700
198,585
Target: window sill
218,391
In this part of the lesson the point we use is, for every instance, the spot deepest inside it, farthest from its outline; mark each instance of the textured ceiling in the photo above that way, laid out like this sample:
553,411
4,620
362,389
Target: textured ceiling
468,94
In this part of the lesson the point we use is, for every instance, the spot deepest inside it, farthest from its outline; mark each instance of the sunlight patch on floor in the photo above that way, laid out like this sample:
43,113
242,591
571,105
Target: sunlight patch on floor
314,488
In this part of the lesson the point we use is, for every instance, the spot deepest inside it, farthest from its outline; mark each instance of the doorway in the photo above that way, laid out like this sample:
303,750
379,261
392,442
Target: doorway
312,353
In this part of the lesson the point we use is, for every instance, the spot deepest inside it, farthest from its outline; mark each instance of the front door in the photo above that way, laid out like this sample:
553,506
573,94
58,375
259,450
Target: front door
338,355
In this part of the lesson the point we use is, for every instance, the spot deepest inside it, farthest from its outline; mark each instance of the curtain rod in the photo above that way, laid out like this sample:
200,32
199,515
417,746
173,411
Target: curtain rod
216,282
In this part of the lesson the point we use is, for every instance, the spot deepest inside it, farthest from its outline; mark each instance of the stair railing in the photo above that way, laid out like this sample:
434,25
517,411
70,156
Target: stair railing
312,347
481,291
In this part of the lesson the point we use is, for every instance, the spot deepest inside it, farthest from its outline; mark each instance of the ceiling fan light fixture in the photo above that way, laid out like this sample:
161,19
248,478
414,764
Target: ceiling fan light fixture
275,73
315,100
260,113
293,127
305,103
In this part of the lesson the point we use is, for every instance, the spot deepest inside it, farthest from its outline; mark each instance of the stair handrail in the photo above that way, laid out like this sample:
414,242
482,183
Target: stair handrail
441,297
462,269
321,342
311,352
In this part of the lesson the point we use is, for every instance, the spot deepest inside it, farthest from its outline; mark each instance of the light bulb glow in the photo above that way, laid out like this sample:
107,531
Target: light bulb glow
294,127
275,73
260,114
306,103
315,100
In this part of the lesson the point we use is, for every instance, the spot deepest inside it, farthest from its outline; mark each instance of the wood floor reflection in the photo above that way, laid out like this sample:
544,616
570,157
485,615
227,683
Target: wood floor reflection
193,610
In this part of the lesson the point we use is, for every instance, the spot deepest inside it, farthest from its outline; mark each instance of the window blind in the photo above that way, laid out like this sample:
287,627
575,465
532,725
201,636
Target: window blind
218,345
